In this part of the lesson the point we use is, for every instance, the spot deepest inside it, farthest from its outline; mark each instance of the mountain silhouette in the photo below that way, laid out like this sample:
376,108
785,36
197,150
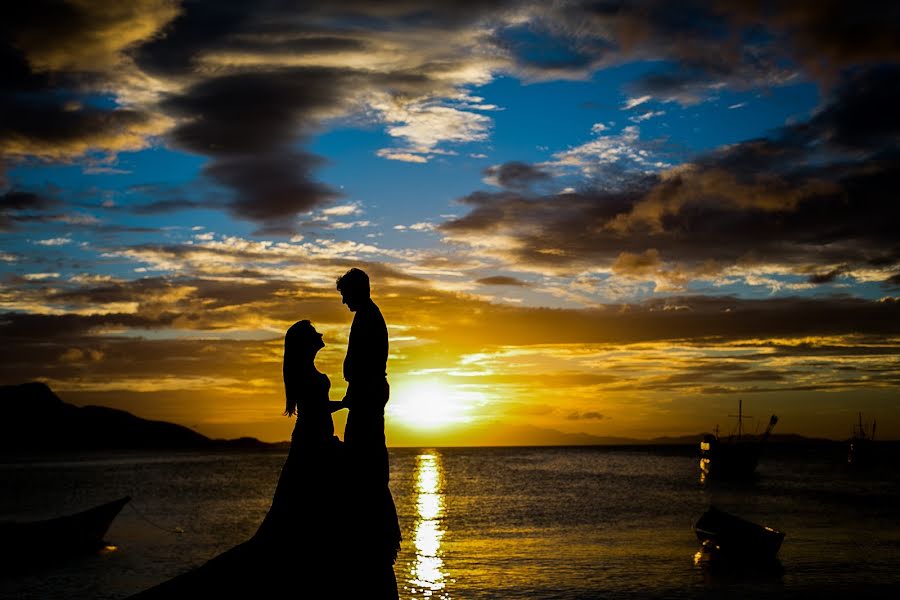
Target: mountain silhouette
36,419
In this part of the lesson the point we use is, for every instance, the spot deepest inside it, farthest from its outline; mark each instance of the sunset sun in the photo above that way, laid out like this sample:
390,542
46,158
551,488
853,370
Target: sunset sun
431,404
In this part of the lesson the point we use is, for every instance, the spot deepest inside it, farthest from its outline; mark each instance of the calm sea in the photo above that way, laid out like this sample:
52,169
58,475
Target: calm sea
505,523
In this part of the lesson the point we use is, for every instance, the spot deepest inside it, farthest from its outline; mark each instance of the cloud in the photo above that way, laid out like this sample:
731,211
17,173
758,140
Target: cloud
85,35
60,241
242,85
820,278
31,326
423,125
610,157
401,155
701,48
515,175
501,280
342,210
809,199
42,115
223,331
17,200
247,86
253,156
159,207
646,116
632,102
18,206
590,415
860,116
828,36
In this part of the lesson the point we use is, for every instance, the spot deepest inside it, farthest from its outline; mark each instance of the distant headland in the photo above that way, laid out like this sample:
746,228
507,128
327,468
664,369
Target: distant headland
36,419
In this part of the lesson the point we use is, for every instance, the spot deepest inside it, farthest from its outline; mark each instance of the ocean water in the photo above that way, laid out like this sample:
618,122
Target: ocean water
506,523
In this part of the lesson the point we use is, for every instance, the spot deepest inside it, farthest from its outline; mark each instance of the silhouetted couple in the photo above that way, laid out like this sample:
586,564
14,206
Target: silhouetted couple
332,530
332,499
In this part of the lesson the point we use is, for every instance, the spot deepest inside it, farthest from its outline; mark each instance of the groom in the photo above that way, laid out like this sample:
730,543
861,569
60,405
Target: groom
376,535
365,370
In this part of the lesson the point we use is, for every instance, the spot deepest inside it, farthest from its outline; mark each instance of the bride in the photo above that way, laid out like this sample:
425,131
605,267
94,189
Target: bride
307,502
302,540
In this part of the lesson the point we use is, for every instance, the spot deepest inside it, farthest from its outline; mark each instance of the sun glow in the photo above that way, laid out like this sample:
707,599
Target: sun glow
431,403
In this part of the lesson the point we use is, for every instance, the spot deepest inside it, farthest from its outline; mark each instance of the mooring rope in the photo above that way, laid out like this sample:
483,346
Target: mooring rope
177,530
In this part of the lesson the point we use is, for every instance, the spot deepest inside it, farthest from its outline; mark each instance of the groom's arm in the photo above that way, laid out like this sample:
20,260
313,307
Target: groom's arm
347,401
336,405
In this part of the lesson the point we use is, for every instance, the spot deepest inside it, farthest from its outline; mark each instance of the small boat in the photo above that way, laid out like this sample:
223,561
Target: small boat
26,544
730,536
861,445
735,456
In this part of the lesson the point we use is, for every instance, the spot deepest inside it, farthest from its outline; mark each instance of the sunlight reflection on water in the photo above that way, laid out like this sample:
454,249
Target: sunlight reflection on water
427,576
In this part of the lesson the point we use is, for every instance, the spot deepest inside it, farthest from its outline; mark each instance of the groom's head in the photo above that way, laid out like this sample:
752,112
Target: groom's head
354,288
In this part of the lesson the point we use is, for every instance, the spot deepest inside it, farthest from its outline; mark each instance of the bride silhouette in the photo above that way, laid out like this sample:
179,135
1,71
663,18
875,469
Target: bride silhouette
309,495
313,538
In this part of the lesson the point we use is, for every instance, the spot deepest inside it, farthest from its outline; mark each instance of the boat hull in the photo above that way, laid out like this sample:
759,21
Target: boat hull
732,536
33,543
728,460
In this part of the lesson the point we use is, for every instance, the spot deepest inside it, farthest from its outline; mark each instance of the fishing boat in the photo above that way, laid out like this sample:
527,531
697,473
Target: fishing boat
860,452
729,536
735,456
27,544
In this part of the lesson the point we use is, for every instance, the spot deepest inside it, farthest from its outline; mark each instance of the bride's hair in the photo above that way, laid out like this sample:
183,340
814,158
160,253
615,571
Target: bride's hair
299,336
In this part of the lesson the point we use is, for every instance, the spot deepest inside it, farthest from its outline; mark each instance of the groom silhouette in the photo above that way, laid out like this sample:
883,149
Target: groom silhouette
375,532
365,370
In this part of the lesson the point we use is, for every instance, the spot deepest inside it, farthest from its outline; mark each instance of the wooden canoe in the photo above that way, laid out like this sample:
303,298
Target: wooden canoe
27,544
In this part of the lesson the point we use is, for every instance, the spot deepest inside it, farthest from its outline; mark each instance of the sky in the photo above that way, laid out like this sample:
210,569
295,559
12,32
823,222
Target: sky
579,218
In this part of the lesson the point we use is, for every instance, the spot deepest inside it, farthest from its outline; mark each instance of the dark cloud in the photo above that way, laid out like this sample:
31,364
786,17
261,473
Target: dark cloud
101,360
84,37
585,416
796,198
200,26
15,326
863,115
18,206
710,318
252,118
48,91
248,123
828,277
166,206
703,45
55,126
700,45
829,35
216,25
502,280
17,200
272,187
254,111
691,319
516,175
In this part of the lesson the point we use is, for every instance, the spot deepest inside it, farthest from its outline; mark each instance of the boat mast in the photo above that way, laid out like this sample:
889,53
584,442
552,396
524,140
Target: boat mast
860,430
740,417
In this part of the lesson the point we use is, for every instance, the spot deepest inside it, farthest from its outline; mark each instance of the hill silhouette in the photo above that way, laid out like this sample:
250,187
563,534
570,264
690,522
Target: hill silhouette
35,418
